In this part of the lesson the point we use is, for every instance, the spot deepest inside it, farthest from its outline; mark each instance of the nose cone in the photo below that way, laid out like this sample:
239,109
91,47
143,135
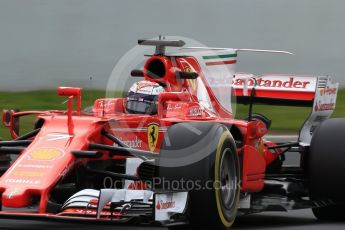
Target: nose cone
34,172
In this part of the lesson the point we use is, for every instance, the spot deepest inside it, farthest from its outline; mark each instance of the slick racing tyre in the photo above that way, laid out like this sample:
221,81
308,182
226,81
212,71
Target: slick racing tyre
326,171
330,213
202,158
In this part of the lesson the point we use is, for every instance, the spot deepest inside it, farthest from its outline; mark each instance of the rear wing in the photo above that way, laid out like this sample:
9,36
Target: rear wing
277,89
318,92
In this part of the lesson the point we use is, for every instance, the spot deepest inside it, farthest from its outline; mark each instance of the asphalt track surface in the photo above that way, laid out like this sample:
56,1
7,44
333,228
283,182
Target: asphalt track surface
301,219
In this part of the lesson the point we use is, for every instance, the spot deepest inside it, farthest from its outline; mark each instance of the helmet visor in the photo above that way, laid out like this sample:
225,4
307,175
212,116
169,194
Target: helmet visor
142,107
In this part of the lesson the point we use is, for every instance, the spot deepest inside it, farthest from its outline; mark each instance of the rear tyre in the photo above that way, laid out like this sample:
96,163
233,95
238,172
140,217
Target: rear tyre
330,213
212,179
326,171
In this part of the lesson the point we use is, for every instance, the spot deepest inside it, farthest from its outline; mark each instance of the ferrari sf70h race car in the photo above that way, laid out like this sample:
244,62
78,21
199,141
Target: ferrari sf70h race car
171,153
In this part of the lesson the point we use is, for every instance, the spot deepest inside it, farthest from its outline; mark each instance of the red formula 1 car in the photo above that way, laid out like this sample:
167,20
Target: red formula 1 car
172,153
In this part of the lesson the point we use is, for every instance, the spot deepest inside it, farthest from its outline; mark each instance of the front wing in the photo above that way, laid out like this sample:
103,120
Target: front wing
116,206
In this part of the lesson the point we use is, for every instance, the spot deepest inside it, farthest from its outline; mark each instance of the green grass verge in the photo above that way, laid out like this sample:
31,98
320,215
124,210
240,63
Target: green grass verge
284,119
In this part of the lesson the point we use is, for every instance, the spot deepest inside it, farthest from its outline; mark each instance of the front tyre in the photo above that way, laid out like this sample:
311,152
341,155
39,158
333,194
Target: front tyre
226,182
215,198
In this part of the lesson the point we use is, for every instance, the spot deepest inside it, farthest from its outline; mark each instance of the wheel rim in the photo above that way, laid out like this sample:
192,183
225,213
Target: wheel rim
228,179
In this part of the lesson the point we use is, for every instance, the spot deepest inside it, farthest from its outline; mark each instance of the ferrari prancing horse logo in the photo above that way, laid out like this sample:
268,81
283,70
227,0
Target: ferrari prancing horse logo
152,136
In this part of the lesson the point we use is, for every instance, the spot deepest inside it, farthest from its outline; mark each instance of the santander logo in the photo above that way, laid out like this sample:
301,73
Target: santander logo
163,205
275,82
268,82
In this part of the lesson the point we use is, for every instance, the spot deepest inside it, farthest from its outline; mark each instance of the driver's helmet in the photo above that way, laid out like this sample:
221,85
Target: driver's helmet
142,97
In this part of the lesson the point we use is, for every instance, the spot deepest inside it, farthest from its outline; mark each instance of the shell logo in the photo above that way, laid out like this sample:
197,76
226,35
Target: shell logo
45,154
165,204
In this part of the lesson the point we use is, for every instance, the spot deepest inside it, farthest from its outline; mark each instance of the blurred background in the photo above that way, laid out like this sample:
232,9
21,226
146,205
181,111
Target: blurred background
48,43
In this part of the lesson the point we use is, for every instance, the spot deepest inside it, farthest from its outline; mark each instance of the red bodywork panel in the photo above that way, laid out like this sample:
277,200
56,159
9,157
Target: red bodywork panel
253,170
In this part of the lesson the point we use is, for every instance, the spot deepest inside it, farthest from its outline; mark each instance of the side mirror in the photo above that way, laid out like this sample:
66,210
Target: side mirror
71,92
11,121
7,118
